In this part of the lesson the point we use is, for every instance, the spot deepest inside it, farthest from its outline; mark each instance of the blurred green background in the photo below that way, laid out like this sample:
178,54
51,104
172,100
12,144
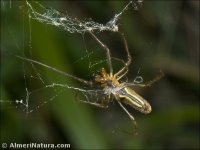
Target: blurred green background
161,35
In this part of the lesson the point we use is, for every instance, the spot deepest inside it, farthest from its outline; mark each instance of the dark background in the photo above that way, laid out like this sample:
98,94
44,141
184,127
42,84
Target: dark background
161,35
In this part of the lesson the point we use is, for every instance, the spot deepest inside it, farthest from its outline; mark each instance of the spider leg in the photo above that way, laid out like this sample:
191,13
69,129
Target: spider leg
130,116
101,105
148,84
107,52
120,60
119,77
124,69
56,70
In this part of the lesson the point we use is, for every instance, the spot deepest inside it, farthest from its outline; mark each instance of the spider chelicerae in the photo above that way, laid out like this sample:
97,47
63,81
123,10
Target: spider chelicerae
110,84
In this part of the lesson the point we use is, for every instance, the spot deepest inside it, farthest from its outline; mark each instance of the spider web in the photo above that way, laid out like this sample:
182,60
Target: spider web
63,21
74,25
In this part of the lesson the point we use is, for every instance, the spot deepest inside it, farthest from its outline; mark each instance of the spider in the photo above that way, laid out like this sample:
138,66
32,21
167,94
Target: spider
111,84
121,91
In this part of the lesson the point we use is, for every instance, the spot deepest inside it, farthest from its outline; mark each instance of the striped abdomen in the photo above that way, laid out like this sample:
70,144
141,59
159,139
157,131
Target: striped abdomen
130,97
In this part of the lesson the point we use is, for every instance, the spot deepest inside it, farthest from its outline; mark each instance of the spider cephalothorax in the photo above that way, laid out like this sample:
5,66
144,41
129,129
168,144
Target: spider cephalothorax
105,79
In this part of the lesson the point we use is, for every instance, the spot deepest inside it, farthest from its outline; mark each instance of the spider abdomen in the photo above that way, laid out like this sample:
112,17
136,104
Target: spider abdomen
130,97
